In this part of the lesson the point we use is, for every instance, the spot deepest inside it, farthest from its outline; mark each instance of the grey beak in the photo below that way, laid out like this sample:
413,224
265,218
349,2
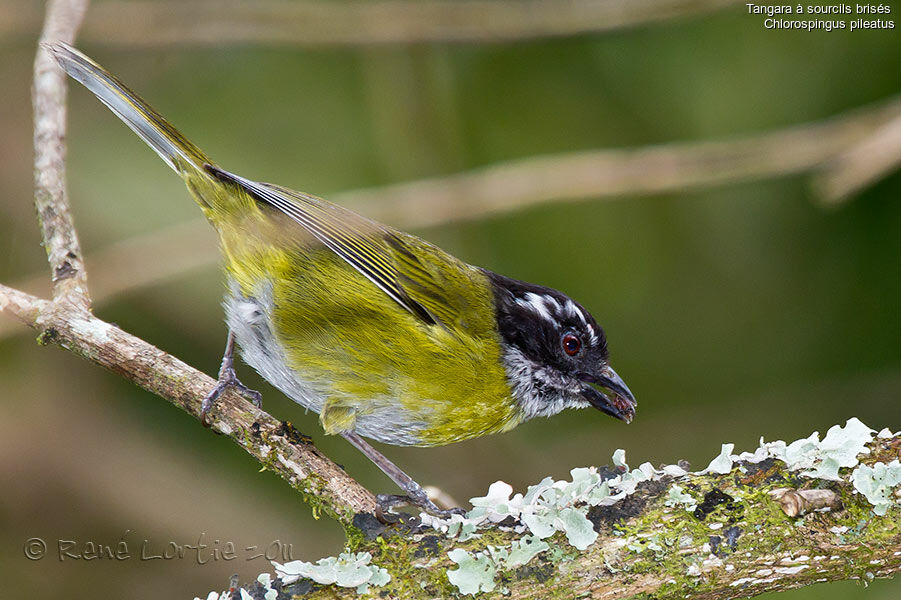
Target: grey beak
621,406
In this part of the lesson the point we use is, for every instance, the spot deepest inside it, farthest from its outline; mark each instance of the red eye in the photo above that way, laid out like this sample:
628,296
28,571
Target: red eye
571,344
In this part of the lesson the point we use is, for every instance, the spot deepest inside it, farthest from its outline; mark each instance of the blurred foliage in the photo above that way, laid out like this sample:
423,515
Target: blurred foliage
732,312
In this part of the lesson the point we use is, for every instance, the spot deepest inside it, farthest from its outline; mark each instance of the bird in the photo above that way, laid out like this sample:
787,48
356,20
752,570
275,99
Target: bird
384,335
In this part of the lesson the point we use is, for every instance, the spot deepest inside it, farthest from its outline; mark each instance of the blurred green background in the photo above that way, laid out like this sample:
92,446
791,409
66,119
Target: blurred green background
733,312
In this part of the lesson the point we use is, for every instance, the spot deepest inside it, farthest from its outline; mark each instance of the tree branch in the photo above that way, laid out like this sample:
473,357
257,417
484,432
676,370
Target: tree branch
361,22
741,538
612,173
50,198
276,445
861,165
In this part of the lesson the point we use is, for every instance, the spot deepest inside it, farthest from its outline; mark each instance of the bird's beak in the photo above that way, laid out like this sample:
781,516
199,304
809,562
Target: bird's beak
622,405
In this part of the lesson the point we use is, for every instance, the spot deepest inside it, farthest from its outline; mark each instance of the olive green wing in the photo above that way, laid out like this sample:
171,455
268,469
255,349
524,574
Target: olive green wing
419,277
453,292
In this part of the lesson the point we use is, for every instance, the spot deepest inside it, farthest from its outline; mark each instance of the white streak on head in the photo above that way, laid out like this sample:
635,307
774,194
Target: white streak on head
551,303
575,311
537,304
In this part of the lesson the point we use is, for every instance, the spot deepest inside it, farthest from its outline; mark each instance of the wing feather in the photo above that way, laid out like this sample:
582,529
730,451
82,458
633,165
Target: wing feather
360,242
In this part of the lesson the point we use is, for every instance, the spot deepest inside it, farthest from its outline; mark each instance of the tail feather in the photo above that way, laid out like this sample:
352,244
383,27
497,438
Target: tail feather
179,153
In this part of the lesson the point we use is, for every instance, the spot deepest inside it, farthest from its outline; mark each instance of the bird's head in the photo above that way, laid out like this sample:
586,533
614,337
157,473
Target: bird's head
555,353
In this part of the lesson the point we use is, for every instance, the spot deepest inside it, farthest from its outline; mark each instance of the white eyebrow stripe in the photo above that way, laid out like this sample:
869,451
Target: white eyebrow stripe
552,304
537,304
575,311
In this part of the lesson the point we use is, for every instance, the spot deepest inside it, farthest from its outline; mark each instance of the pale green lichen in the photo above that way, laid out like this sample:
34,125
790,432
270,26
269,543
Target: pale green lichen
818,459
678,497
474,573
545,509
522,551
265,580
562,506
878,483
349,569
722,464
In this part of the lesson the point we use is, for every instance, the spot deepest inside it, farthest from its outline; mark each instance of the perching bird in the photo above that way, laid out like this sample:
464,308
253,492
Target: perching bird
384,335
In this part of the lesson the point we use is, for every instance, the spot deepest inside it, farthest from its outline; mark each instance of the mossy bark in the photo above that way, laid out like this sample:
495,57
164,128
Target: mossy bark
738,542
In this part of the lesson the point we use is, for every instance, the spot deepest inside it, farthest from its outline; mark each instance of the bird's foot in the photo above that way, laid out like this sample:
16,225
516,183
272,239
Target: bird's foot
385,502
227,379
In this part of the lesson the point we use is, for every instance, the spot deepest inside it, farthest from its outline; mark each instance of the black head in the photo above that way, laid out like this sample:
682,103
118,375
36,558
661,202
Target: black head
555,353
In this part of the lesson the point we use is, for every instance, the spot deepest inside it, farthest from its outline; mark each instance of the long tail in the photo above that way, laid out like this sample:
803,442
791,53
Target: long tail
180,154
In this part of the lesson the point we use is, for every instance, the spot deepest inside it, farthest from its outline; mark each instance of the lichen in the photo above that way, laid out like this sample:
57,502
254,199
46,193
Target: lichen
877,484
722,464
552,507
818,459
475,573
694,526
349,570
678,497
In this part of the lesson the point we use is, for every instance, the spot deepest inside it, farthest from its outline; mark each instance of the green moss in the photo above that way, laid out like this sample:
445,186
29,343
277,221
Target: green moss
354,538
47,337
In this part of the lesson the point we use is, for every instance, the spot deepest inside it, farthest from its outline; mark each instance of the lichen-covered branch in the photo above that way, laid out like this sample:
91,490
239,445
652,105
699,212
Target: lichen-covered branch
361,22
782,517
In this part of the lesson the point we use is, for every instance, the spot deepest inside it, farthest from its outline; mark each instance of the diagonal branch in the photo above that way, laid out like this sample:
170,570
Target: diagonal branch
276,445
861,165
631,171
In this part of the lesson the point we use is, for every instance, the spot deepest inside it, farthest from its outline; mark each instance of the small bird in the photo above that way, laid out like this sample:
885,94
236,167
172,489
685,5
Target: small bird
382,334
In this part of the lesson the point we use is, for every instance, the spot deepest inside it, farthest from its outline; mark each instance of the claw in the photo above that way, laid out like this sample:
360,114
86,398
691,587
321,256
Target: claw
227,379
230,380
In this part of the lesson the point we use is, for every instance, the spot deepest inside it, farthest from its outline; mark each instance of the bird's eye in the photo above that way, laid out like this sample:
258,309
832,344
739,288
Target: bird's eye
571,344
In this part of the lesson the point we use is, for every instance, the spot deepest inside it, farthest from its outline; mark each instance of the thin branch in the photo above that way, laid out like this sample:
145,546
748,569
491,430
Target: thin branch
615,173
765,551
861,165
361,22
50,198
19,305
276,445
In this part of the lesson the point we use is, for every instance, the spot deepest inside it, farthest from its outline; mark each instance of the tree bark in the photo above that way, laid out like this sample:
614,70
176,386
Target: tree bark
740,541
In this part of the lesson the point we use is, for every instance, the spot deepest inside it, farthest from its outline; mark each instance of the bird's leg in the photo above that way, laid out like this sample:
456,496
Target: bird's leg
415,495
227,379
